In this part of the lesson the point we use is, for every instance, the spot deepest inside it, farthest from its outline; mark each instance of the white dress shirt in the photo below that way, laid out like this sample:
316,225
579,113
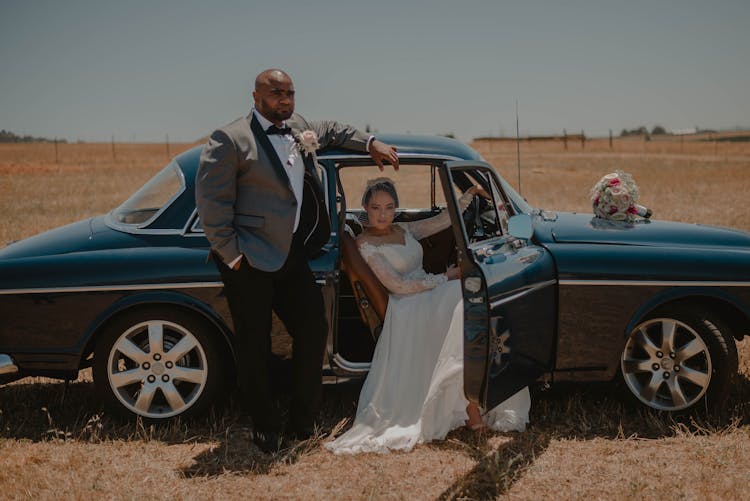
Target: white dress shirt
291,159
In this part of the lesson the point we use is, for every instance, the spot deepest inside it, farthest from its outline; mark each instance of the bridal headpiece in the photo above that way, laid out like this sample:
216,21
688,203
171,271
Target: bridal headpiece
379,184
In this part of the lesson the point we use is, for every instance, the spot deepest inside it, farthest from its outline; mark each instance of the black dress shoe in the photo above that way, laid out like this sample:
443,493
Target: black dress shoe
267,441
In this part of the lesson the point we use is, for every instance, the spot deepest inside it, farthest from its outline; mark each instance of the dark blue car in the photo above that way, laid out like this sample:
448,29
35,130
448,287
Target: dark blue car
547,295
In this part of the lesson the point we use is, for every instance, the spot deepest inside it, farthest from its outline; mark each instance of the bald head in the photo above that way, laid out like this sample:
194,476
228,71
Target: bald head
274,95
270,77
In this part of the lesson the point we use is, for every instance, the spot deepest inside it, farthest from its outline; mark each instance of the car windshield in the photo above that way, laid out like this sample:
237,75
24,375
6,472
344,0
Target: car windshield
519,201
143,206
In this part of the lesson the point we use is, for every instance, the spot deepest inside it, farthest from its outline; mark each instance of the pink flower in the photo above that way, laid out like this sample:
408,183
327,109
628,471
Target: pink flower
307,141
614,197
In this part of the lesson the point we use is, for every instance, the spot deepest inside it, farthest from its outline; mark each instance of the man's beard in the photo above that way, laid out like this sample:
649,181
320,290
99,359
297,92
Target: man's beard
280,116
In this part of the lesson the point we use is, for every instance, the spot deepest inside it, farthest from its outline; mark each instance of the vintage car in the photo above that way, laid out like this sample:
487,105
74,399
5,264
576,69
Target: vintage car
548,296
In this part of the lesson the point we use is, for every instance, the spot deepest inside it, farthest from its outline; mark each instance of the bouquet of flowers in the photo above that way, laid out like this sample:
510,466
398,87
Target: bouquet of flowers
615,197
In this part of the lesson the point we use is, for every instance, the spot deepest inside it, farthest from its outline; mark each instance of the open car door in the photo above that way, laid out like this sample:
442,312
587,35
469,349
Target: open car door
509,288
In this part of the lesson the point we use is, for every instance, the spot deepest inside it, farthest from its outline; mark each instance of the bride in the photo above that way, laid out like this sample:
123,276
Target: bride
414,390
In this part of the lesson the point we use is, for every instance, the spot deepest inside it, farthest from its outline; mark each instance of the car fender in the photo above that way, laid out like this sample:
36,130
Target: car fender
675,294
151,298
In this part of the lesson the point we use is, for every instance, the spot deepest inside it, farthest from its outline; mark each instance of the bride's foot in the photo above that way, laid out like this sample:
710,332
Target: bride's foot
474,423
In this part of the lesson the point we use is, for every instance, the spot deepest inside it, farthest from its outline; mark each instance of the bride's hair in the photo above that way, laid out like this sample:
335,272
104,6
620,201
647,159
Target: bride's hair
379,184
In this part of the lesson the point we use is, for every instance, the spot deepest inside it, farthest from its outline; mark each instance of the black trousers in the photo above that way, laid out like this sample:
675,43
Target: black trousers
292,293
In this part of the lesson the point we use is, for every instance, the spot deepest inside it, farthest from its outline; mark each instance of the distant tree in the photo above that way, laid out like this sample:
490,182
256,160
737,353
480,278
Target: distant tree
450,135
7,136
638,131
658,130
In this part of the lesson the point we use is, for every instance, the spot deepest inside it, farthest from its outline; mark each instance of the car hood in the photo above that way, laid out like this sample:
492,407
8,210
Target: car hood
585,228
74,237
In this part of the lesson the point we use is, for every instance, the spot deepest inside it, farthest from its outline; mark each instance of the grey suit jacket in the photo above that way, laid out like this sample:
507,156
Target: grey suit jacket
244,196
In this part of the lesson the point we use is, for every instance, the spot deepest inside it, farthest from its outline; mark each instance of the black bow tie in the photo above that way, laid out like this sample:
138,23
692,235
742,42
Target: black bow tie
282,131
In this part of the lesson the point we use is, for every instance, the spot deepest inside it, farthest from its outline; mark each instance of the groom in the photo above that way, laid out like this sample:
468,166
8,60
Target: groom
263,210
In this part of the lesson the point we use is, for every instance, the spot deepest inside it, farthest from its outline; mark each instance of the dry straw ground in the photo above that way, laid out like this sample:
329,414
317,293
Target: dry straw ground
584,442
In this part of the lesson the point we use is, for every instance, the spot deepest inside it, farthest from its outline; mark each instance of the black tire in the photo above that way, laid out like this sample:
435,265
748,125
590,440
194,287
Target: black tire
178,384
697,373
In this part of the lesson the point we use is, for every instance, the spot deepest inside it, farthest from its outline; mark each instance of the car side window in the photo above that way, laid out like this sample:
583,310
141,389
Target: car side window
145,205
413,182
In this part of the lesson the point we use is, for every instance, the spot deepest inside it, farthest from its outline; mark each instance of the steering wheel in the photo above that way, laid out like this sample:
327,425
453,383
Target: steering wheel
479,218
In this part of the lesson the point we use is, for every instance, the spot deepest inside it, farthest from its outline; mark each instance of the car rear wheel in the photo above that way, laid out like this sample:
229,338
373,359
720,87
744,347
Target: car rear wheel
678,358
158,364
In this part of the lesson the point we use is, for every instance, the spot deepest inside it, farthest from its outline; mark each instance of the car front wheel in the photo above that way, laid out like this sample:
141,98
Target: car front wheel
158,363
678,358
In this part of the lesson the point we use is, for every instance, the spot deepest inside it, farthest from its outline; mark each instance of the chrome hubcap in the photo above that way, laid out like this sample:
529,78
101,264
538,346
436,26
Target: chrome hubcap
157,369
666,364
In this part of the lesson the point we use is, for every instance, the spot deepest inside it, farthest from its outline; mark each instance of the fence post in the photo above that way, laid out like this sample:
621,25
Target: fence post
167,145
565,139
610,139
583,140
114,156
56,156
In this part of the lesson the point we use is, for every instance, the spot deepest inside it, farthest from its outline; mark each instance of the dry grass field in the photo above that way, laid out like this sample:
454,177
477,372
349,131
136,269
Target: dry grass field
583,441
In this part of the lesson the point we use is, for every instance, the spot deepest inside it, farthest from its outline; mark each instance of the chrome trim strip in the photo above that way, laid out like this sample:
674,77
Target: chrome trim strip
355,367
145,231
7,366
190,224
666,283
535,287
110,288
400,157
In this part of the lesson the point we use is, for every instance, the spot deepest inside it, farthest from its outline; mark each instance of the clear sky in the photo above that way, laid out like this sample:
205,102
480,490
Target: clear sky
141,69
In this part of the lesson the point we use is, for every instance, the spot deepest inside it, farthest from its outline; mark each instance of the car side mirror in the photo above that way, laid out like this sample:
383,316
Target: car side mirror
520,226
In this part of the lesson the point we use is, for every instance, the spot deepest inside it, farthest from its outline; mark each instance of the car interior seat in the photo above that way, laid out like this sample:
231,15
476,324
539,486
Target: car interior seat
370,294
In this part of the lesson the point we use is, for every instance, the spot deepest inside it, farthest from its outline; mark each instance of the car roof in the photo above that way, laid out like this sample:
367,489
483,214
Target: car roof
407,144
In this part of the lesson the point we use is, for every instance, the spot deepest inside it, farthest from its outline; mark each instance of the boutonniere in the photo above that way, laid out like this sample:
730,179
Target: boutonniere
307,141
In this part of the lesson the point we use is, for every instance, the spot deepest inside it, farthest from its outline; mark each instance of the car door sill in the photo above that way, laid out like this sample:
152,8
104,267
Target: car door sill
354,368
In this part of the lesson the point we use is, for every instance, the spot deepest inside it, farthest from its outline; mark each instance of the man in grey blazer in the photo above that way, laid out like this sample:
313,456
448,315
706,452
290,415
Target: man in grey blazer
263,210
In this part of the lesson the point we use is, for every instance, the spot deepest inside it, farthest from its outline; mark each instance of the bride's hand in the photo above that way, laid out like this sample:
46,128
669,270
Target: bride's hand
478,190
453,272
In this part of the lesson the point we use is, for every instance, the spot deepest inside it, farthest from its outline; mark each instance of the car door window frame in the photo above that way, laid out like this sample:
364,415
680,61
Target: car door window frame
477,171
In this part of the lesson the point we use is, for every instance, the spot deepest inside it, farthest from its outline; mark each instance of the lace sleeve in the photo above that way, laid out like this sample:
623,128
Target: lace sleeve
392,279
426,227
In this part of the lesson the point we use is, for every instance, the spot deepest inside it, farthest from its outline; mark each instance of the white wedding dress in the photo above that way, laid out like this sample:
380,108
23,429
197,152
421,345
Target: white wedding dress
414,391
